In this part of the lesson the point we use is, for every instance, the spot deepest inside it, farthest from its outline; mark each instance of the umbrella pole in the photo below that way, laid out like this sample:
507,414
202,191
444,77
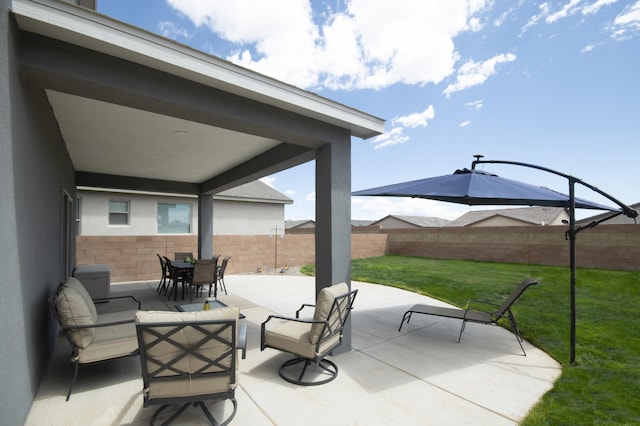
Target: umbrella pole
572,265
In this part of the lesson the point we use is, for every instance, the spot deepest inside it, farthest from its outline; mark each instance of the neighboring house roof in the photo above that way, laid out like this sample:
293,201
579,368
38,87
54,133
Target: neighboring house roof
618,220
527,215
306,223
256,191
357,222
413,221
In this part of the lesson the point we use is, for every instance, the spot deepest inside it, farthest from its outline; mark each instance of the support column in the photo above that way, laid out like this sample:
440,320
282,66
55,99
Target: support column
205,226
333,220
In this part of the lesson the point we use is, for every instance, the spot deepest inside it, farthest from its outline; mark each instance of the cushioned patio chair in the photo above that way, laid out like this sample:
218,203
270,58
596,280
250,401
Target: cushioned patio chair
477,316
188,358
94,337
311,340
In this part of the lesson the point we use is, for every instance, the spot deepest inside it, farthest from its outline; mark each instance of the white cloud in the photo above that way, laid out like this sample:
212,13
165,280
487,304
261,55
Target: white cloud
290,192
366,44
627,22
595,7
417,119
311,197
474,106
474,73
373,208
269,180
573,7
465,123
587,48
568,9
396,135
172,30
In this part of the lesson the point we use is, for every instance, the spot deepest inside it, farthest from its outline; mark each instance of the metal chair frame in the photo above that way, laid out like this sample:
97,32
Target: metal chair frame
333,325
160,369
74,348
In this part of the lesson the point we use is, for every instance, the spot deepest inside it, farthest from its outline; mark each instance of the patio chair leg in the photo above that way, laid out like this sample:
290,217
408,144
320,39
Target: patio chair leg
173,416
464,323
516,331
213,421
73,379
324,364
407,317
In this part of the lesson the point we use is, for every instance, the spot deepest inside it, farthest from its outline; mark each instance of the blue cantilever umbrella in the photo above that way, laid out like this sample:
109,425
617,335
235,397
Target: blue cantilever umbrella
475,187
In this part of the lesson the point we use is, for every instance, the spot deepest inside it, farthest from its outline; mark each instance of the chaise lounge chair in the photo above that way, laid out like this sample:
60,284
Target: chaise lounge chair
470,315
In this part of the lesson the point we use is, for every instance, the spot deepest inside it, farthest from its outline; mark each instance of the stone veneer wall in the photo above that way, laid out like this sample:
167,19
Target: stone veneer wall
133,258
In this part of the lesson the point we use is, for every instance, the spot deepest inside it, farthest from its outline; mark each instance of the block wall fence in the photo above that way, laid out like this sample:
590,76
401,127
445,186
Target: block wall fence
133,258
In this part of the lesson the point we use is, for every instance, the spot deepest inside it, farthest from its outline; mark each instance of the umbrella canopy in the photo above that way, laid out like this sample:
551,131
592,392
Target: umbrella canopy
476,187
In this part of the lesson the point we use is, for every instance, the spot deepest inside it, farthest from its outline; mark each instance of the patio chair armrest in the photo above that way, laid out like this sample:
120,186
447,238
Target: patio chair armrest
304,305
308,321
97,325
108,299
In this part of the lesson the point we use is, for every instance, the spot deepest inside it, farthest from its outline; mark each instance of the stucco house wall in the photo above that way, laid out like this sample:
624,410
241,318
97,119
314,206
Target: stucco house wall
35,172
229,217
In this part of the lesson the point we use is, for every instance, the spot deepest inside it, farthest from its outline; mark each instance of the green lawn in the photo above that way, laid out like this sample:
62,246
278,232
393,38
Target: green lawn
604,385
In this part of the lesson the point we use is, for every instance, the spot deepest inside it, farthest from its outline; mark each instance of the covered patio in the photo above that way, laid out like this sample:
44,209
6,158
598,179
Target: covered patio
90,101
418,376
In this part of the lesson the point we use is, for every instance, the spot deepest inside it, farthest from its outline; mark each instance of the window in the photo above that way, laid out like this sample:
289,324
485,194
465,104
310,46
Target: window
118,212
174,218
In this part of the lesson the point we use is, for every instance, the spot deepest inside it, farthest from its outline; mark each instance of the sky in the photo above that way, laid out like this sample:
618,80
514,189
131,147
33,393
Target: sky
549,83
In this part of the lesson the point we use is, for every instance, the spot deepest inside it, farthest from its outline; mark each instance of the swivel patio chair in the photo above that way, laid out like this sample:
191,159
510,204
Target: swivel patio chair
477,316
189,358
94,337
311,341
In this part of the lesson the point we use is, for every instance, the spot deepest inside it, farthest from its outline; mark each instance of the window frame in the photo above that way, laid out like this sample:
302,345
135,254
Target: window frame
126,215
166,230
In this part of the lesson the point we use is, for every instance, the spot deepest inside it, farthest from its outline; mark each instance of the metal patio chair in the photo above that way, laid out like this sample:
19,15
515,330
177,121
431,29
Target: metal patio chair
94,337
189,358
311,341
477,316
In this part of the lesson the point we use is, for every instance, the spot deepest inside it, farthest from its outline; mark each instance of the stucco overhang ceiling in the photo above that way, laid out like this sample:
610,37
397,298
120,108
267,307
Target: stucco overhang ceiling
134,108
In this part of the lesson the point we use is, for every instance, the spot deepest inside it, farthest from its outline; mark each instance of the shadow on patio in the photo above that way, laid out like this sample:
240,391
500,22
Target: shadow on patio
418,376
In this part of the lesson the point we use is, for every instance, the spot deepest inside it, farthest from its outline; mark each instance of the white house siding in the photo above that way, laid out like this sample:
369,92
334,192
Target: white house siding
229,217
246,218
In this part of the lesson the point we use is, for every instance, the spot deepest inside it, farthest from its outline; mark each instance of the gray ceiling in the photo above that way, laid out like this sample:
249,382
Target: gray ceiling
113,139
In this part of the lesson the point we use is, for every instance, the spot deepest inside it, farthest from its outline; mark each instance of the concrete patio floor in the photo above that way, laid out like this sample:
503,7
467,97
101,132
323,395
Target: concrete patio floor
420,376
